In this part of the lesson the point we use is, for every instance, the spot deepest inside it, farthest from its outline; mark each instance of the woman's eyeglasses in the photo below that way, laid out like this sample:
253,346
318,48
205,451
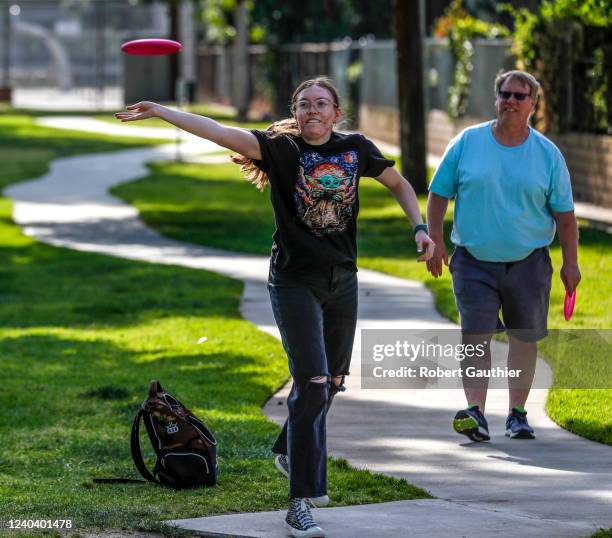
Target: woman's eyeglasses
517,95
320,105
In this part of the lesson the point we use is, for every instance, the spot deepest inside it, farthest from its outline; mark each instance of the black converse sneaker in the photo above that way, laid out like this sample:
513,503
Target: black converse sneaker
282,464
299,520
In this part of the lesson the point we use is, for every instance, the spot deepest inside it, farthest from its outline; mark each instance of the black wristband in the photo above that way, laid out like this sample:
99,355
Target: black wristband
420,227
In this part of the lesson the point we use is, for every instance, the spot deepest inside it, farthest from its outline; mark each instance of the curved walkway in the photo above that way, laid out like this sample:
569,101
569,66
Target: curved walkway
557,485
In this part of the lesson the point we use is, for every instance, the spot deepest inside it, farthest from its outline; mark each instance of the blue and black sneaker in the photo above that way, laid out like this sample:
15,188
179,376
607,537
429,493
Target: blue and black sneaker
517,426
472,422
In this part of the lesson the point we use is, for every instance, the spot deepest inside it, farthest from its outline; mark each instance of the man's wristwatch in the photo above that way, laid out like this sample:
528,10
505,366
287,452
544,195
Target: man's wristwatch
420,227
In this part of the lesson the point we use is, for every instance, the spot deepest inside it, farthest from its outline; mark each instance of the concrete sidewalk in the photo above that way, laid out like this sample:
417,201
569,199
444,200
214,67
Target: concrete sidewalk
430,518
557,485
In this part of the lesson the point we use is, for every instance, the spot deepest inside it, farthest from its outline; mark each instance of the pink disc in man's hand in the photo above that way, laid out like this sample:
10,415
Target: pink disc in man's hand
568,305
151,47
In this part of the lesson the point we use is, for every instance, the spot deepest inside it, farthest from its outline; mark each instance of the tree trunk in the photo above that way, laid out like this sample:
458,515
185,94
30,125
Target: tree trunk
411,98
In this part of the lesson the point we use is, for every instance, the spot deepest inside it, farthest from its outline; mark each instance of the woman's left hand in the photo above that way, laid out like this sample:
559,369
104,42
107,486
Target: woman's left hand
424,242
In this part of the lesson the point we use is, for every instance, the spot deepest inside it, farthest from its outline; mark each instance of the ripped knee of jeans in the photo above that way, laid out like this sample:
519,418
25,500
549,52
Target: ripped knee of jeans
319,379
308,399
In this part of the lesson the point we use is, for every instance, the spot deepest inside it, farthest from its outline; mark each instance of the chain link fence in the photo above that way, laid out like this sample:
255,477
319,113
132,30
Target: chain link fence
364,72
65,50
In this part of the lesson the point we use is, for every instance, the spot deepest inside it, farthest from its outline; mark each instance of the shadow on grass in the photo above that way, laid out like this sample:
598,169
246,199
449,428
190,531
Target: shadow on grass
79,396
70,402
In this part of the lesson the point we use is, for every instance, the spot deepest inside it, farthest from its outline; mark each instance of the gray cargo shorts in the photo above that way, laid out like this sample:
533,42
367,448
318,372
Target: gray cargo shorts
521,290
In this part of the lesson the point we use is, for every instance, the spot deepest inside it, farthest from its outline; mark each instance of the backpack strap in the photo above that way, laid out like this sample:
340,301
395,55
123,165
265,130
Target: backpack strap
204,431
118,481
135,448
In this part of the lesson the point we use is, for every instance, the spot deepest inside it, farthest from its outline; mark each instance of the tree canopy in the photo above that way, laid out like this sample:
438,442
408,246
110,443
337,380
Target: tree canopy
296,21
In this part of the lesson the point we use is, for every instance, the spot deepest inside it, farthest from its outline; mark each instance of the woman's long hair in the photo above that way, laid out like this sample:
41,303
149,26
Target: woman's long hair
288,126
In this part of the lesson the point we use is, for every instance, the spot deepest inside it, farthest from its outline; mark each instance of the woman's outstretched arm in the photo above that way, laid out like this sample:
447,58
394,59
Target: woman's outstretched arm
234,138
406,197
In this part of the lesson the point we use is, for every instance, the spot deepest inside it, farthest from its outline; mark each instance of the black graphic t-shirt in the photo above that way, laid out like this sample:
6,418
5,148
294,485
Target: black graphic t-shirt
314,192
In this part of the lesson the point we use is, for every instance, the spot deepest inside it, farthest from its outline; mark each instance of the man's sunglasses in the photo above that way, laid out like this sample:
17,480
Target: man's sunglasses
517,95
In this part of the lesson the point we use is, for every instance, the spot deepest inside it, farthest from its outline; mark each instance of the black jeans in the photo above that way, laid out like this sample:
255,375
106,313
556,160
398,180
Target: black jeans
316,315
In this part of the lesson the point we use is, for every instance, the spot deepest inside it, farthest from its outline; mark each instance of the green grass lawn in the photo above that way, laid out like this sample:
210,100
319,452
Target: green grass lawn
212,205
81,336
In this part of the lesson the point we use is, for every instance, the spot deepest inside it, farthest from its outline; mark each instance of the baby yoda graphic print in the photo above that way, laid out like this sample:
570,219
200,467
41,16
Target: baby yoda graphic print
326,191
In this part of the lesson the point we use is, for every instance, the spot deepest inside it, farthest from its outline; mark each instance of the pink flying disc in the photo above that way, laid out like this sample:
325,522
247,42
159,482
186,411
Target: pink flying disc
151,47
568,305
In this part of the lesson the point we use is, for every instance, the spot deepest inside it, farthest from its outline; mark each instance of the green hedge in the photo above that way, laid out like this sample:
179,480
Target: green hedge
567,44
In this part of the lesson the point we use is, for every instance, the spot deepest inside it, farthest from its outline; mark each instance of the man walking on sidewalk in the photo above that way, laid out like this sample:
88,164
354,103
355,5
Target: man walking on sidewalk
512,189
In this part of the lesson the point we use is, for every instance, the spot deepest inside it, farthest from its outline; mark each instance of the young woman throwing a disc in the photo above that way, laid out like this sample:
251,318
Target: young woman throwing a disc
313,172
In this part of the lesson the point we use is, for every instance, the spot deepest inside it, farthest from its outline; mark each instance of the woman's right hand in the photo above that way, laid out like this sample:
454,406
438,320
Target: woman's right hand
139,111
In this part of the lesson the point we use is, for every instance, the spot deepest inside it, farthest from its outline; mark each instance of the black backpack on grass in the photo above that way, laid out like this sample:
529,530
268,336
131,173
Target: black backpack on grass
186,450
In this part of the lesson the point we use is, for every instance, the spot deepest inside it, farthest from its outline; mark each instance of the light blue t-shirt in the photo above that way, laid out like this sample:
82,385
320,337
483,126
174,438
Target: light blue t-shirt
503,195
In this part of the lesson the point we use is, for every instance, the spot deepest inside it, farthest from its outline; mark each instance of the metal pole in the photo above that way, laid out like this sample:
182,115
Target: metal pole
241,61
103,54
187,58
179,91
569,83
99,54
178,27
6,46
